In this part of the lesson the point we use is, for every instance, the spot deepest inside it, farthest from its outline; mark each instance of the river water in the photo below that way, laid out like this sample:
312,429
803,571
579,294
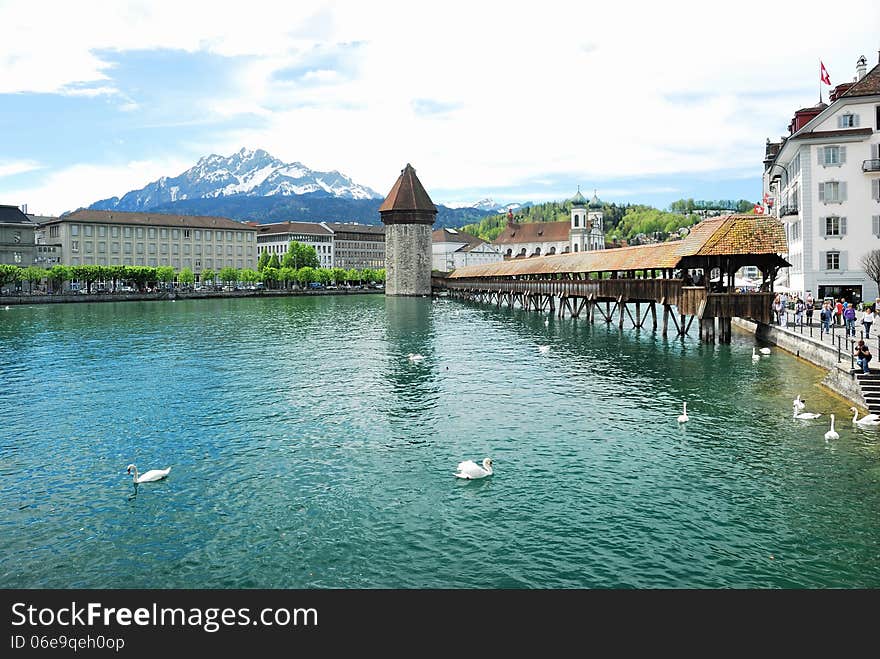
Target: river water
307,451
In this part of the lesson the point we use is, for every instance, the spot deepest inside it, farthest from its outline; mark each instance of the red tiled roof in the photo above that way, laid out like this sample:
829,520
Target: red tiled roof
533,232
408,194
867,86
154,219
731,234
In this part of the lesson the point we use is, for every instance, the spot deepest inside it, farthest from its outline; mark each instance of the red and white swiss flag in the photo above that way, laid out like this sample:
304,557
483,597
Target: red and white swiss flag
823,74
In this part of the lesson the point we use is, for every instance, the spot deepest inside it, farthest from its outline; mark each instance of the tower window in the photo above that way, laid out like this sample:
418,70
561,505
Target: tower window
577,220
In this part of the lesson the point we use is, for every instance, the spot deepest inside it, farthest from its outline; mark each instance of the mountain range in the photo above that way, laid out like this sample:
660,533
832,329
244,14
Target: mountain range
254,185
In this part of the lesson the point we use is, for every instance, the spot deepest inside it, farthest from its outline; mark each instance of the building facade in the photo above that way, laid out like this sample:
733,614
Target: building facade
451,249
91,237
276,237
16,237
823,182
584,231
358,246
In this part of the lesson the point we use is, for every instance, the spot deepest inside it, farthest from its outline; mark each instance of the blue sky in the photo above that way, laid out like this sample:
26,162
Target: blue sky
645,103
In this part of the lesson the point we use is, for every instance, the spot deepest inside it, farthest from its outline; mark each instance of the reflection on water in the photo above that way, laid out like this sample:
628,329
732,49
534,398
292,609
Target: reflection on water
308,451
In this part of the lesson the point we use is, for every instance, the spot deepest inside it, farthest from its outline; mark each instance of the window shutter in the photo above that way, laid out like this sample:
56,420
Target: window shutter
855,121
842,155
842,226
842,188
821,192
875,225
875,192
840,121
823,226
823,260
875,151
843,260
821,154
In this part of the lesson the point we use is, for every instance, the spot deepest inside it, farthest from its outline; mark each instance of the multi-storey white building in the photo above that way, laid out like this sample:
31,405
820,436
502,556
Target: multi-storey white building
451,249
583,232
93,237
275,238
824,180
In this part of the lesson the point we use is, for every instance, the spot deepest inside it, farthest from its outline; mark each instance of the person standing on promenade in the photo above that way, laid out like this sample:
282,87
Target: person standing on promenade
825,316
784,309
863,355
808,307
838,312
799,307
777,308
849,317
868,320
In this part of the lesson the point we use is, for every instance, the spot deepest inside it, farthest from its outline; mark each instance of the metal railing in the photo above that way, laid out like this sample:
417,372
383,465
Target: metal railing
836,335
872,165
788,210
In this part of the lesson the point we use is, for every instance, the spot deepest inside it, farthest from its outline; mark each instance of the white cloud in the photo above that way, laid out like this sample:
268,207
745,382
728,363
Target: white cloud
17,167
81,185
555,89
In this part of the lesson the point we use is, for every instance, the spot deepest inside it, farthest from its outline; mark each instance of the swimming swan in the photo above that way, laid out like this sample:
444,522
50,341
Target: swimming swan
471,470
152,475
683,417
764,351
755,355
798,403
805,415
831,434
415,358
867,420
544,349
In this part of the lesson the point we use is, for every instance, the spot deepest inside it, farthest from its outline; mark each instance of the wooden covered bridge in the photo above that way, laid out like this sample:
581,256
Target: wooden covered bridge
695,275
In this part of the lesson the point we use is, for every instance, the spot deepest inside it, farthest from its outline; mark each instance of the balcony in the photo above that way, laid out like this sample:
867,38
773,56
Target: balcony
785,211
871,165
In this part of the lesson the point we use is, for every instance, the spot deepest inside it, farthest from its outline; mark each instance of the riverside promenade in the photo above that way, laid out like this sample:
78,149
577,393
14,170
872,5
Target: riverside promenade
832,350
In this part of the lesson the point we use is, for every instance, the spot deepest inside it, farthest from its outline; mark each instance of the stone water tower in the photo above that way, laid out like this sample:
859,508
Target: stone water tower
408,215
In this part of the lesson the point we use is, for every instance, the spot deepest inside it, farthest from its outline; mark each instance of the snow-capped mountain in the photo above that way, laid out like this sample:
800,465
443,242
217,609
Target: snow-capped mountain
248,173
490,205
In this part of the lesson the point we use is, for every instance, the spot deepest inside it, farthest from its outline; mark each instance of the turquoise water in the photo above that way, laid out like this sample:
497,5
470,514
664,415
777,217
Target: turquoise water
308,451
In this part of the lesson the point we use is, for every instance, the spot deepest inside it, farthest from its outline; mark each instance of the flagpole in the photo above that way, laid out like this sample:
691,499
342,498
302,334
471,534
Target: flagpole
820,81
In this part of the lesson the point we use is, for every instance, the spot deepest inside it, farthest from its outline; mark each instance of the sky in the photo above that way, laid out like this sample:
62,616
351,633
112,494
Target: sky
645,102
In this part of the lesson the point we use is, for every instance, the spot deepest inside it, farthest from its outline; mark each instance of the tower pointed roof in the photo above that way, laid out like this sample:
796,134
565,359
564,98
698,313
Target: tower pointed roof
408,194
578,199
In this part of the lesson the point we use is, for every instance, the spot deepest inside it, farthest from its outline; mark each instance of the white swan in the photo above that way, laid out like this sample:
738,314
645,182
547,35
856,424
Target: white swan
415,358
471,470
867,420
755,355
543,349
152,475
764,351
546,323
831,434
683,417
798,403
6,308
805,415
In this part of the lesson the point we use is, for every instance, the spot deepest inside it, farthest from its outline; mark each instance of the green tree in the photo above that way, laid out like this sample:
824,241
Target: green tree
271,276
337,275
380,275
58,274
306,275
88,274
208,277
286,275
248,276
9,274
300,256
32,274
165,273
263,261
186,277
274,261
228,275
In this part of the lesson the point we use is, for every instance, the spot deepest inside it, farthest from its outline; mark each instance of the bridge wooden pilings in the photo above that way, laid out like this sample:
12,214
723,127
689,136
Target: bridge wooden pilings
616,300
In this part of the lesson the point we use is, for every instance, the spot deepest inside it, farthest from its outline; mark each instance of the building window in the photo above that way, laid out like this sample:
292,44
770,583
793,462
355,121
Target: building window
140,233
54,231
219,250
229,236
229,250
835,226
175,248
74,245
577,219
164,248
250,237
175,234
89,247
239,236
832,261
102,247
114,248
127,232
128,248
219,235
87,230
832,192
187,249
163,233
198,235
114,232
848,121
140,248
102,232
151,233
832,156
208,235
197,249
151,248
74,229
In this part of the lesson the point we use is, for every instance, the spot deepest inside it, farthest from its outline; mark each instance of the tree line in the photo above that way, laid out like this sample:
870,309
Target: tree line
300,265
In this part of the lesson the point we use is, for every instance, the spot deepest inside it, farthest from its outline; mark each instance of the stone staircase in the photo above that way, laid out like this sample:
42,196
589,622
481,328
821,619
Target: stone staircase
870,386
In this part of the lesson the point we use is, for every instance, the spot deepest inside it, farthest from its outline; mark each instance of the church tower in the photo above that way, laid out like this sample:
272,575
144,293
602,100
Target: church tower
596,239
579,231
408,215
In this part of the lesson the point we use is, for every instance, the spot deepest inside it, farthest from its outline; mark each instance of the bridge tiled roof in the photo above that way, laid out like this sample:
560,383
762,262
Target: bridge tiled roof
728,235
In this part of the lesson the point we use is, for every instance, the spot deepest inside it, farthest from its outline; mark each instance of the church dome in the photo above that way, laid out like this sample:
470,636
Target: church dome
578,199
595,203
